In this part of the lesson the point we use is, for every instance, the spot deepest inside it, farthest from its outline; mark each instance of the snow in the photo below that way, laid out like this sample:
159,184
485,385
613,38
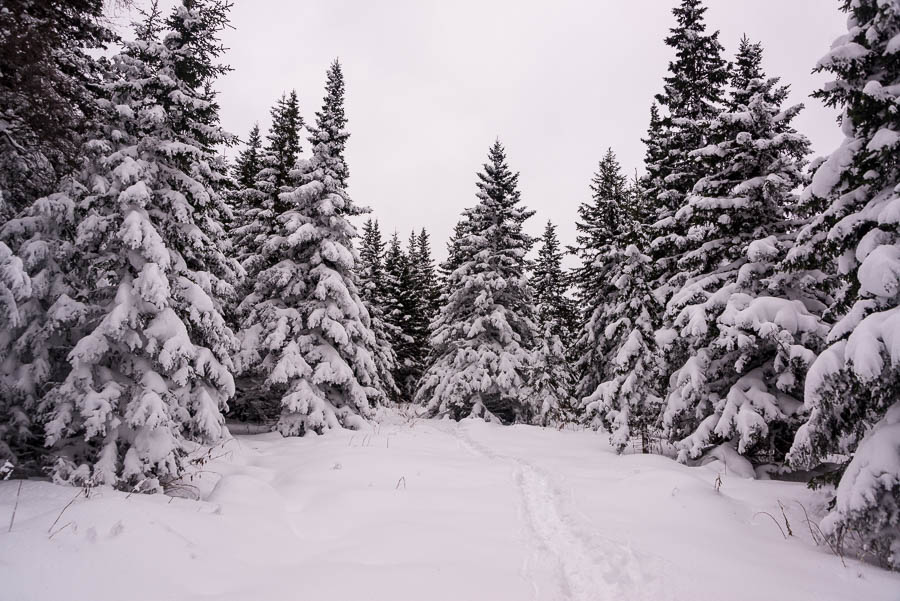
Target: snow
429,510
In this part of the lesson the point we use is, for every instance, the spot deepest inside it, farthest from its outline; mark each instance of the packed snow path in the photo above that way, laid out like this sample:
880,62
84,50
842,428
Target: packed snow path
427,510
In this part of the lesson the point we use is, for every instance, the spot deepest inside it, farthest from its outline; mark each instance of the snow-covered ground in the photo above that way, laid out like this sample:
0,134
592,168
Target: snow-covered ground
426,510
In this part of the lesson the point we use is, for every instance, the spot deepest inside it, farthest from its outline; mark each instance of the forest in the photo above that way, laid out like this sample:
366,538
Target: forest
166,285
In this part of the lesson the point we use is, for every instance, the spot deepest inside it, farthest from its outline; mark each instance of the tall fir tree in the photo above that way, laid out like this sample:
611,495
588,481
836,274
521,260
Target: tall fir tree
371,278
150,368
486,334
692,96
627,402
307,335
249,161
555,314
429,284
259,200
49,87
400,308
52,99
743,333
601,222
853,388
551,285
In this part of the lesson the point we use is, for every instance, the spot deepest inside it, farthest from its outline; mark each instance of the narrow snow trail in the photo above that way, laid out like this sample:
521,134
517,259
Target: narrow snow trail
417,510
605,573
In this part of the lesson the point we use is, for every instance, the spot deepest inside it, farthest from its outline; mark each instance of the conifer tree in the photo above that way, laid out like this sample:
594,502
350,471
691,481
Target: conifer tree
429,287
486,335
247,200
259,201
151,368
743,334
49,86
307,335
601,222
556,319
400,307
249,161
627,403
551,283
692,96
371,278
853,388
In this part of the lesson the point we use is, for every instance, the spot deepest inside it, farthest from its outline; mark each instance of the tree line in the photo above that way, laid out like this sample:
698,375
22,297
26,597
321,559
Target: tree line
735,296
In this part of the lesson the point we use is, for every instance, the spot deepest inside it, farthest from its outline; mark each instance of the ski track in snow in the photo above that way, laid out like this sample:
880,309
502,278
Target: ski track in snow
583,575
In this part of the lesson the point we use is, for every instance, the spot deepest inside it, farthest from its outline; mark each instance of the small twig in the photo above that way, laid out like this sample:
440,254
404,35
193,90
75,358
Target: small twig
774,520
809,524
787,524
401,480
63,511
15,507
61,529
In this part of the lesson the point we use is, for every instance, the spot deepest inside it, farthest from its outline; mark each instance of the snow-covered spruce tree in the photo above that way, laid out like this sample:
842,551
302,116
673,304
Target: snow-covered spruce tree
150,371
429,287
551,283
258,202
41,318
371,279
249,162
305,322
852,389
400,306
627,403
48,89
600,222
556,319
743,333
245,199
485,334
691,97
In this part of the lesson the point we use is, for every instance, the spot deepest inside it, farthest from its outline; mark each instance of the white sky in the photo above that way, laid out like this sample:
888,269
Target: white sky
431,83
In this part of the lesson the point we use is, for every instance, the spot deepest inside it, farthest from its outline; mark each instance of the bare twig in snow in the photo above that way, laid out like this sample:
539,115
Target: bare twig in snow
15,507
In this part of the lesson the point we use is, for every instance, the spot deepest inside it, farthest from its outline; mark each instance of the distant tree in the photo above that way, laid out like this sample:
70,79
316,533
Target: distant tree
486,334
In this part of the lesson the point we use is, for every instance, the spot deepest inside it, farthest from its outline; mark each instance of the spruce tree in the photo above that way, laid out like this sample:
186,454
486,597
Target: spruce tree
400,307
556,320
249,161
429,288
551,283
259,201
853,388
371,278
49,86
150,368
247,200
307,335
743,332
627,402
692,96
486,335
601,223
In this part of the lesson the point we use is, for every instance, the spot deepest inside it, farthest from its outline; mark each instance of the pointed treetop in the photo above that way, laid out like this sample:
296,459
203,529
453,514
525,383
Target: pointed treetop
693,87
746,69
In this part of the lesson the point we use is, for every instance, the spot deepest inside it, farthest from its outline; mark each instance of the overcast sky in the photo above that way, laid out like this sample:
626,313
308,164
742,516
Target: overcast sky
431,83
